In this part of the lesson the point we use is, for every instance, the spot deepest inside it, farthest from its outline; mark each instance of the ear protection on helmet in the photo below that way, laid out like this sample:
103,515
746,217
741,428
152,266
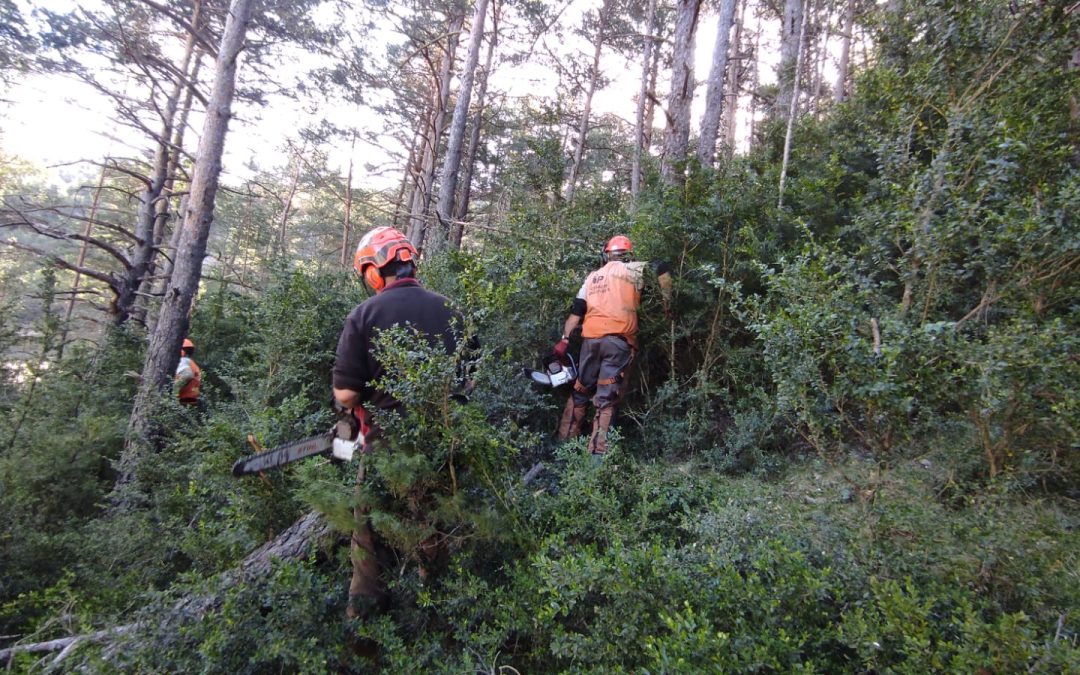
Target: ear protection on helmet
373,278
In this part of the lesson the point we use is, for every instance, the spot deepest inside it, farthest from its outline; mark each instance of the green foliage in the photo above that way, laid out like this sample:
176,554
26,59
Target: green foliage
282,622
853,449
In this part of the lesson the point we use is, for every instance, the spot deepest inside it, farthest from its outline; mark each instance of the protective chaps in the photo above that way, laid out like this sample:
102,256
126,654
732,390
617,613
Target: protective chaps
573,419
601,424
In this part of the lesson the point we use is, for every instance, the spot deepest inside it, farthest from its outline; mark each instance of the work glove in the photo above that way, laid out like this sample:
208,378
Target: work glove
560,348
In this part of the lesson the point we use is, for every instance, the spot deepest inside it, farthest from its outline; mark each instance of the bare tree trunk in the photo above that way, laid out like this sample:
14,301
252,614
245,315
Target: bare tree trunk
821,57
461,207
640,146
348,207
422,191
146,218
755,81
82,258
168,154
734,78
790,37
452,164
714,97
682,92
163,351
792,112
652,102
408,180
1074,104
594,81
309,532
840,92
286,207
170,185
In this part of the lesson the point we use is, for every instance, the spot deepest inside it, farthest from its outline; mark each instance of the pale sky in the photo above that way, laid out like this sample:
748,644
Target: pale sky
53,120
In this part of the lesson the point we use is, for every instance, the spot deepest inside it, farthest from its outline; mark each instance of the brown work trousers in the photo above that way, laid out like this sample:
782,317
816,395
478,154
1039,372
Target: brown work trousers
365,589
602,370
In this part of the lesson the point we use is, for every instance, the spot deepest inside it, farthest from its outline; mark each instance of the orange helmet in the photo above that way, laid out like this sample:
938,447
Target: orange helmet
617,247
377,248
188,343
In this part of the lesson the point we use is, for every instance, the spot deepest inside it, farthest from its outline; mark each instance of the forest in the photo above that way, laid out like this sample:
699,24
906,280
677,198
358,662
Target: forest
850,443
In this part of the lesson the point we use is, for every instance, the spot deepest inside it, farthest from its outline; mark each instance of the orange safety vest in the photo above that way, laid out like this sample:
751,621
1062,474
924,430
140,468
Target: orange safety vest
612,295
189,393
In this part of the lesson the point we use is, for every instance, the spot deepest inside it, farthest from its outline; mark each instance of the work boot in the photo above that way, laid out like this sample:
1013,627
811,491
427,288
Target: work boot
601,424
573,419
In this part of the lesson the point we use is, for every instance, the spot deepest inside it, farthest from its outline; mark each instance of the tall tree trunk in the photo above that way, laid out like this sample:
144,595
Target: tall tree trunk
790,35
652,102
755,81
347,226
82,259
286,207
163,351
640,146
452,164
682,93
136,277
714,97
792,111
586,111
461,206
1074,103
734,79
170,151
408,180
180,130
840,92
432,135
822,54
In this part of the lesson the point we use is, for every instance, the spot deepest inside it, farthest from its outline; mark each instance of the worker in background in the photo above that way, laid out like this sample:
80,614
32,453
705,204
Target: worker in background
386,261
188,375
606,309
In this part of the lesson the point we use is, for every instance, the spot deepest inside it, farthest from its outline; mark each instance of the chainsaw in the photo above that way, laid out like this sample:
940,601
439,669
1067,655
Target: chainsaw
555,373
340,443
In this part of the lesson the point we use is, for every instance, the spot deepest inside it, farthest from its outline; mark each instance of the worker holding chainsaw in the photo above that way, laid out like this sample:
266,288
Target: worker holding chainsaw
606,308
386,261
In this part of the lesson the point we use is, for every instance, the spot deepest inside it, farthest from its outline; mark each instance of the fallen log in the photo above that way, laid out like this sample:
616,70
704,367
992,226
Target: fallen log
293,544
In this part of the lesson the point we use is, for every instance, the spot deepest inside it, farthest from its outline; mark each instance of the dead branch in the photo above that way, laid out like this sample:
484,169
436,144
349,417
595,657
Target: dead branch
183,23
293,544
60,235
60,262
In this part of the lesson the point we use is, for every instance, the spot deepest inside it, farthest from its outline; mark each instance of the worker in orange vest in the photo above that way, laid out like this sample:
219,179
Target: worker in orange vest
606,308
188,375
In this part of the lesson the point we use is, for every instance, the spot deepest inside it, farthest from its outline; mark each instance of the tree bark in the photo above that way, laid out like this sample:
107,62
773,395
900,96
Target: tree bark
347,226
1074,102
168,152
422,190
840,92
452,163
295,543
170,187
682,93
286,207
792,111
586,110
790,35
734,83
461,206
171,328
147,216
715,95
640,145
82,259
